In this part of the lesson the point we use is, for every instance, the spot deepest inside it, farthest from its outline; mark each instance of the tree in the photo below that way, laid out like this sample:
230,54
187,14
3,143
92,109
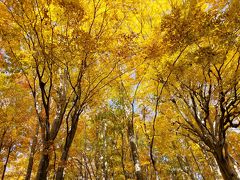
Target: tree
62,60
206,85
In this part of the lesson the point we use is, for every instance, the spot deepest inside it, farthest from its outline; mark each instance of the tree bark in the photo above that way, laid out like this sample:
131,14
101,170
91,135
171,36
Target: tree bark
104,155
32,153
45,157
123,156
67,145
42,168
226,168
133,146
7,159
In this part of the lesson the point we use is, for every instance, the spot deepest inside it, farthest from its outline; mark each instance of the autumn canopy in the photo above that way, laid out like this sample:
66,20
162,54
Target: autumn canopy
120,89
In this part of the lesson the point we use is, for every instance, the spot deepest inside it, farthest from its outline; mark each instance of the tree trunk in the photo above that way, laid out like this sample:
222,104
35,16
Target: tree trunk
32,153
104,153
87,169
45,158
133,146
42,169
67,145
123,157
227,170
7,159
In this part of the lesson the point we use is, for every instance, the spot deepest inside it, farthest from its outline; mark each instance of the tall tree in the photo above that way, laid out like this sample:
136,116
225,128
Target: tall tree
206,85
62,60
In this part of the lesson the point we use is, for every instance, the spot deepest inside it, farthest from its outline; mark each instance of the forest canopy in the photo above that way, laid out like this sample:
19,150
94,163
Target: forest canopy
120,89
